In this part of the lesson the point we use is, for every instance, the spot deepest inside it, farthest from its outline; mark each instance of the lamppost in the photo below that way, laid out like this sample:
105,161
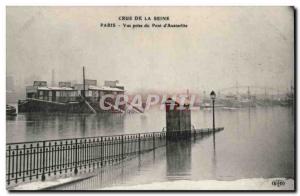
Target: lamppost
213,97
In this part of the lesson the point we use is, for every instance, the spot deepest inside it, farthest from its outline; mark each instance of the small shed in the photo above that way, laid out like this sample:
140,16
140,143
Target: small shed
178,116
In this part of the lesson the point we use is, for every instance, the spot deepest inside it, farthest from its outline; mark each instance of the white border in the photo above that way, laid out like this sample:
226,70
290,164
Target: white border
153,2
4,3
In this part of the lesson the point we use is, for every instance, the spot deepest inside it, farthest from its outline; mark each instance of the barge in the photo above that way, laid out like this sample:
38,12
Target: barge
68,98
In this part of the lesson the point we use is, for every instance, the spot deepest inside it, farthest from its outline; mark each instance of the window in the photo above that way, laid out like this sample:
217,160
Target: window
72,93
95,93
88,93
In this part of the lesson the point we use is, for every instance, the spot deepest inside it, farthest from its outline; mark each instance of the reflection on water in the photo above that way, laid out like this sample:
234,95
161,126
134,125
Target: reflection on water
130,172
42,126
214,157
256,143
144,168
178,160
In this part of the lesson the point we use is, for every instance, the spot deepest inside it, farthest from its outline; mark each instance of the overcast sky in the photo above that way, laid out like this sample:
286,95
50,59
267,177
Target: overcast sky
220,47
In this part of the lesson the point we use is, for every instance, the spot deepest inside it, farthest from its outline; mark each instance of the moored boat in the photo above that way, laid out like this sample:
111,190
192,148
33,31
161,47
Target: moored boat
10,110
70,98
73,98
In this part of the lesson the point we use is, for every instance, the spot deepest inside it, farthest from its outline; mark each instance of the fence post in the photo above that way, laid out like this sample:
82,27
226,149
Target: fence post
153,140
102,152
13,163
8,172
43,174
76,157
24,158
139,143
122,147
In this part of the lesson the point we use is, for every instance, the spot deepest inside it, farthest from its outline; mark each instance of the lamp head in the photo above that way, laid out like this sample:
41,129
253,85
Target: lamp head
213,95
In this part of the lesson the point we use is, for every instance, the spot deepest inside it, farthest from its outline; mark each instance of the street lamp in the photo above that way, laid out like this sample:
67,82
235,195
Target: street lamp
213,97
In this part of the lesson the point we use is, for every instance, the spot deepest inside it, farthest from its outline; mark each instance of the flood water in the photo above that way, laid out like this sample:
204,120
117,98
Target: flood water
256,143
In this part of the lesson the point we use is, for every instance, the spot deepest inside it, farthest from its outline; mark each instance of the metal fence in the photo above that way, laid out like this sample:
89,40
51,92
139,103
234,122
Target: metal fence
41,159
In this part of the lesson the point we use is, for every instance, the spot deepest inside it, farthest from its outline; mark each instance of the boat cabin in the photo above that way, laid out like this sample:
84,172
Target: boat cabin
65,92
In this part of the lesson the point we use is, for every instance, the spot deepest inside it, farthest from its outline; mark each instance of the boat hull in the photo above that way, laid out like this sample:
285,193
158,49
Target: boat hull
35,105
11,111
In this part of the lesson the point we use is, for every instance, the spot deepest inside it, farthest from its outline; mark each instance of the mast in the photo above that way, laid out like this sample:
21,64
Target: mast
53,78
237,89
248,92
265,93
83,74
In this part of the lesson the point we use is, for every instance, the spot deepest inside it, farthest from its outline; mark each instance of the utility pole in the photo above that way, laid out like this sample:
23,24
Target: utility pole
83,74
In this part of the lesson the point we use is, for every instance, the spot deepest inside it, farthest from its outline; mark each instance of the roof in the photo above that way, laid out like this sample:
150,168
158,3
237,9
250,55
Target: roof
54,88
105,88
102,88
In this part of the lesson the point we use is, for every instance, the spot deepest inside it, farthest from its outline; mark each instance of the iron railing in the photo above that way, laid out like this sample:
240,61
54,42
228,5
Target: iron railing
41,159
34,160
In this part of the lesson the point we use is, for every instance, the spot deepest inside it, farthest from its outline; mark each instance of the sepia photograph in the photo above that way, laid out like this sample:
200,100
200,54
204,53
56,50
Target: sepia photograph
150,98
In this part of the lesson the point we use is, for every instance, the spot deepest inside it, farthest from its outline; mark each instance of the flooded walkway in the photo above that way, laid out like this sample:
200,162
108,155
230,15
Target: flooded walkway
259,142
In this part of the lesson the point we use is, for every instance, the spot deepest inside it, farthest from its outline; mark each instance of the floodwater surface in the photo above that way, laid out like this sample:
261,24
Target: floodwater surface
256,143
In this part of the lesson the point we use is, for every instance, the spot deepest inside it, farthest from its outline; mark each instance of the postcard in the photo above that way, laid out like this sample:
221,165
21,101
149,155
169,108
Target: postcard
121,98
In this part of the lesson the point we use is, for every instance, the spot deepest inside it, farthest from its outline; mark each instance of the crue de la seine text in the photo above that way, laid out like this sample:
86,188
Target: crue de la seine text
135,22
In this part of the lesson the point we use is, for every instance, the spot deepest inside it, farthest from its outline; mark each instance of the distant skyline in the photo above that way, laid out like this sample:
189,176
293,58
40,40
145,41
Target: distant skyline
220,47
